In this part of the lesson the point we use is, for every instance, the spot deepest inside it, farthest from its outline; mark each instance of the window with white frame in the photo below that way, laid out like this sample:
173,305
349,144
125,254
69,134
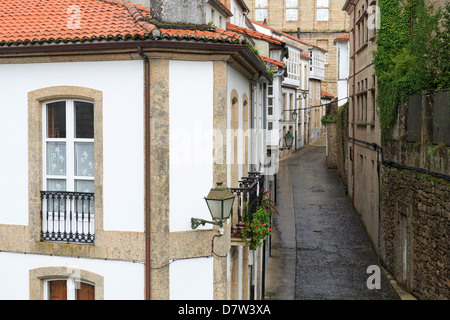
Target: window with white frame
293,65
69,146
322,10
270,101
260,10
291,10
67,204
261,3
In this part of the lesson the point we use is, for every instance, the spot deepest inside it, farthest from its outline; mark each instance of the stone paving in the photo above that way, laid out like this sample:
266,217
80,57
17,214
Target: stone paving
320,250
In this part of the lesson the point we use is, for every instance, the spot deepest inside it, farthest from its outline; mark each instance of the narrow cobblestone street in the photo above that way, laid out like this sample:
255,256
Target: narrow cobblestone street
320,250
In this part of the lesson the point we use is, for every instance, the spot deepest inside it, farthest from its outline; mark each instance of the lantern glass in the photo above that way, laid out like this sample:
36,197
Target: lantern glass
289,139
220,202
294,115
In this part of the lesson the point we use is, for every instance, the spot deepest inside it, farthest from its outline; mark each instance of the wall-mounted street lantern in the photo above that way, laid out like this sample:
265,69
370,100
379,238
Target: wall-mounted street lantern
220,204
304,94
294,115
288,140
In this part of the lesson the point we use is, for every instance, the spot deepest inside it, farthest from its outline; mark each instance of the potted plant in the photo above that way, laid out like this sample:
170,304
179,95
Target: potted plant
258,225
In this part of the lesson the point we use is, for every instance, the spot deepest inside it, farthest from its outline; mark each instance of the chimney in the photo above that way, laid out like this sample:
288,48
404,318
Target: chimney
176,11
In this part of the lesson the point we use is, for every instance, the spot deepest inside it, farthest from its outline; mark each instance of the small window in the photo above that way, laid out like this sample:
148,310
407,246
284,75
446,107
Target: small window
322,10
261,3
270,126
291,3
291,14
260,14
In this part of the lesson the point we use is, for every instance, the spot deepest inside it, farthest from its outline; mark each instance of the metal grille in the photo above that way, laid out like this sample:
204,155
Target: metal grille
249,194
67,217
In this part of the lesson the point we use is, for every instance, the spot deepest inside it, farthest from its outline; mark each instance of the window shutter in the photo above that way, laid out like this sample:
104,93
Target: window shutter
86,292
58,290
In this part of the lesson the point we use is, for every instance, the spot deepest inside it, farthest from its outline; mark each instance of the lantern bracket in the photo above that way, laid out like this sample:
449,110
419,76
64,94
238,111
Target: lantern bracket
195,223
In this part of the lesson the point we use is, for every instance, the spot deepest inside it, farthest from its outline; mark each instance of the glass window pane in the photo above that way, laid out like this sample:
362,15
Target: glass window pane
291,14
84,159
84,186
56,158
322,3
56,185
291,3
261,3
55,204
322,14
56,120
260,14
84,120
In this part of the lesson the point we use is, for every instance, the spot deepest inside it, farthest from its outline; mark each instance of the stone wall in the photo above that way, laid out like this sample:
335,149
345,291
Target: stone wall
415,230
415,205
337,139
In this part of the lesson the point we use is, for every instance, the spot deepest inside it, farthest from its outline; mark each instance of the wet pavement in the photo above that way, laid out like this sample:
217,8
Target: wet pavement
320,250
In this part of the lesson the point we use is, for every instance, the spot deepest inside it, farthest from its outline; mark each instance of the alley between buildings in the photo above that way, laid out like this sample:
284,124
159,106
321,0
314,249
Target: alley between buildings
320,250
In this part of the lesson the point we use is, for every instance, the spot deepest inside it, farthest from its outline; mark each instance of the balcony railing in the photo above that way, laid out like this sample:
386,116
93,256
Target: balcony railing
67,217
249,194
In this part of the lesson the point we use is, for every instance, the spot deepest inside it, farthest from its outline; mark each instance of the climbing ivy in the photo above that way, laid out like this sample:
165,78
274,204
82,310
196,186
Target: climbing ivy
406,64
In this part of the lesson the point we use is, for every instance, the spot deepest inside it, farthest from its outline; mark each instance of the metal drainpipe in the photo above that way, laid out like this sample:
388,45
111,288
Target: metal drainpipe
252,114
147,172
353,104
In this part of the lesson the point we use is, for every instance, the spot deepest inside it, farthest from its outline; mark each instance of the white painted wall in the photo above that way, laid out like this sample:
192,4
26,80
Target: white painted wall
122,280
343,71
214,15
238,17
192,279
191,141
123,137
236,81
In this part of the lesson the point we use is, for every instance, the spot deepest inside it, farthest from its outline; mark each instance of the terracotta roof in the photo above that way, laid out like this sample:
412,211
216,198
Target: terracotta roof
253,34
219,35
306,56
275,62
345,36
32,22
325,94
284,34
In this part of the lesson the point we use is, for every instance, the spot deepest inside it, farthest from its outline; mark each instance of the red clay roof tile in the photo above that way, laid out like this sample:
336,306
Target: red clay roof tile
68,21
275,62
253,34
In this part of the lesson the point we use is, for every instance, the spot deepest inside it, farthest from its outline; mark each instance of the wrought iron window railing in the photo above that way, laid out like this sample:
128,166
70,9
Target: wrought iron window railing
249,194
67,217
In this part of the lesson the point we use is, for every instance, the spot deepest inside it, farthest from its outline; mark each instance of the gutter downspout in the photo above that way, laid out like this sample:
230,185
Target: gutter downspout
147,173
353,104
284,54
253,113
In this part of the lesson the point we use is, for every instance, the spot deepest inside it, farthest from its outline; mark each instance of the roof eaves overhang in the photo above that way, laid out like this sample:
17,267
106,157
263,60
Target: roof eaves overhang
240,52
348,6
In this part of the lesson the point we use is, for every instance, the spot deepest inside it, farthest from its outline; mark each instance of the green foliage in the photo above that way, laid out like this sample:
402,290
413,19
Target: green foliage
257,227
268,204
325,119
408,65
